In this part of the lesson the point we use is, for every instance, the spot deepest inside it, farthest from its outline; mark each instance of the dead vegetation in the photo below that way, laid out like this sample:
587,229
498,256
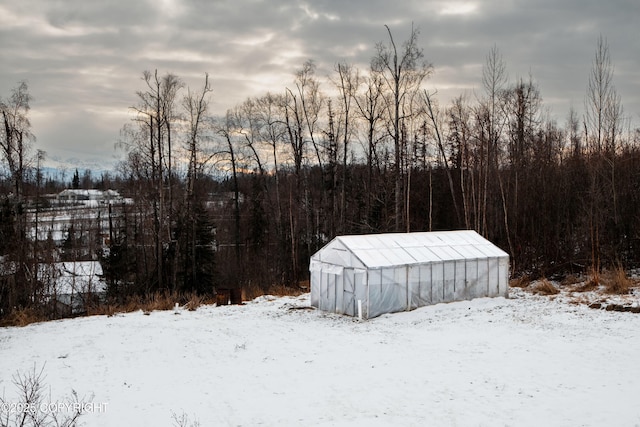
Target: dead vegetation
254,291
571,280
614,282
545,287
159,301
611,290
586,286
581,284
520,282
163,301
33,397
617,282
23,317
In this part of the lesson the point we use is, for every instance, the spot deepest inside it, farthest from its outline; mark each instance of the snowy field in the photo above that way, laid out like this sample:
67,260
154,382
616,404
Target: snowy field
524,361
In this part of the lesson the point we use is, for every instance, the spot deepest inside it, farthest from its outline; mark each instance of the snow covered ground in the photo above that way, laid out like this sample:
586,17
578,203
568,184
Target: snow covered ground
524,361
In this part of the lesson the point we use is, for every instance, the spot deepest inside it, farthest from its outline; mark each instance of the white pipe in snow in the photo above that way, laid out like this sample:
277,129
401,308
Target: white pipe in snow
359,309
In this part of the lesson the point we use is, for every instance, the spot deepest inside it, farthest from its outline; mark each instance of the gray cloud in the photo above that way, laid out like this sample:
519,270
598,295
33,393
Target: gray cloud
83,60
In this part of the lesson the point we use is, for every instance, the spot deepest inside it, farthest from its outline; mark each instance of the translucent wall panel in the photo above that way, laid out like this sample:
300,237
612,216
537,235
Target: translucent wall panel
437,283
449,268
471,271
482,286
339,293
460,281
494,282
328,292
420,285
375,292
392,296
316,281
503,275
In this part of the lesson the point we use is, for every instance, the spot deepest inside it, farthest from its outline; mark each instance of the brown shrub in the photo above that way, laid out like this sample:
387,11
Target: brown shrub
594,276
304,285
161,301
617,282
571,279
520,282
156,301
23,317
253,291
194,301
592,282
587,286
545,287
103,310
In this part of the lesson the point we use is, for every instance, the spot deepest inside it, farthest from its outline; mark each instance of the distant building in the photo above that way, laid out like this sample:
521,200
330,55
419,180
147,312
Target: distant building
73,286
223,199
90,198
69,287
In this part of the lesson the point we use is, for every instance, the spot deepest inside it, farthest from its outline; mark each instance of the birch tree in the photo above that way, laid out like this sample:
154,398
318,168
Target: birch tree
16,136
402,69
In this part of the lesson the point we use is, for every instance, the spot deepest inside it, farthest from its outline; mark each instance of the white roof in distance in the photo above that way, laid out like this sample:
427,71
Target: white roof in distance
383,250
73,277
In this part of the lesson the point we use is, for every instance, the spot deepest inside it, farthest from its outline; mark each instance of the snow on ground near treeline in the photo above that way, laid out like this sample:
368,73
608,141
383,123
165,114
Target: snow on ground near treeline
524,361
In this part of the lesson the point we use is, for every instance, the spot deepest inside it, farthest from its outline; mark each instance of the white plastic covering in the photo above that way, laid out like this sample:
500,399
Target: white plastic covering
402,271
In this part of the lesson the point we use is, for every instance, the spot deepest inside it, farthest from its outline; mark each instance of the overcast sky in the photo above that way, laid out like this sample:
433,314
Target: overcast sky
83,59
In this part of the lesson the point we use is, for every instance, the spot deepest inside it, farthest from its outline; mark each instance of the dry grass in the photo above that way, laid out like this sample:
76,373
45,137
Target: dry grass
592,283
253,291
571,280
545,287
520,282
23,317
617,282
103,310
587,286
193,301
159,301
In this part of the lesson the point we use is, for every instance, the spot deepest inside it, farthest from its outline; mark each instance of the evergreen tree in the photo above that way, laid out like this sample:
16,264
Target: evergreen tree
75,183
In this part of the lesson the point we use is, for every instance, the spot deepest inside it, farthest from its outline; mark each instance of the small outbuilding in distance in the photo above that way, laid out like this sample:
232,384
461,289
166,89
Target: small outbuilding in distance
374,274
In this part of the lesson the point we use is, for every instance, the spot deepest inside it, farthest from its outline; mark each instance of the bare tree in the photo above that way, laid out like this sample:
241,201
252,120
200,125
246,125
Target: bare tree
602,103
370,107
16,135
15,139
298,196
434,117
402,69
522,109
347,82
32,397
228,129
294,124
602,125
311,102
171,85
573,132
151,142
459,136
494,78
196,105
248,124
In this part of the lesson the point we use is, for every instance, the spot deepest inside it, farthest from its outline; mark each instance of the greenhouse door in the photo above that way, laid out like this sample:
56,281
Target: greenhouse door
339,292
327,301
352,279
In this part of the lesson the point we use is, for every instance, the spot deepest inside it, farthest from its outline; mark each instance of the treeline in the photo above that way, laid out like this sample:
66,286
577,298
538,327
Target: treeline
243,200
